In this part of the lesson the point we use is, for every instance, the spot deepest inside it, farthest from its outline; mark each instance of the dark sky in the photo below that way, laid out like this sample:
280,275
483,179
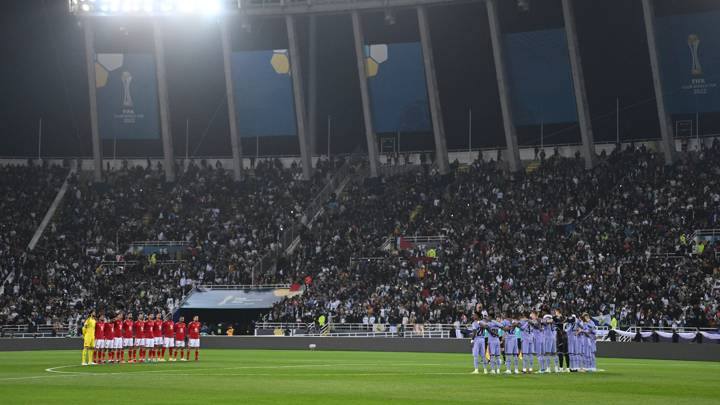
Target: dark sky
42,74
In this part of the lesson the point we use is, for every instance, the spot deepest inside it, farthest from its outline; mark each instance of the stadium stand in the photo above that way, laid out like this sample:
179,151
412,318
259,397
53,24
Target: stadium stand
25,195
416,247
223,228
615,240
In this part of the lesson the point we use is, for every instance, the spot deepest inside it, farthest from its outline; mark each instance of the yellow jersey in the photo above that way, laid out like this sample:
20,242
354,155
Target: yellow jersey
88,328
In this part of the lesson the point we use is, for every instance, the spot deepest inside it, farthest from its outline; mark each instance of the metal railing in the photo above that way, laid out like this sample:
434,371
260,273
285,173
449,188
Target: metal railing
417,330
34,331
424,240
680,329
705,234
427,330
367,259
159,243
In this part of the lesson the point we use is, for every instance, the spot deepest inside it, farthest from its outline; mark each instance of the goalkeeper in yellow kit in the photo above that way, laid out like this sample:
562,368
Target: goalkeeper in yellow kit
88,331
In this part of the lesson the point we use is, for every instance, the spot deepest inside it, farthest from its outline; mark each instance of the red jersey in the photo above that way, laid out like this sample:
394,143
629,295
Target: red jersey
180,330
139,329
149,329
128,329
157,328
118,328
168,329
194,332
109,330
99,330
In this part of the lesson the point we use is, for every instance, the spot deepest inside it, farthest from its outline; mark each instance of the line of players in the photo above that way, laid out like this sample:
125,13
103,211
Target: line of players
531,337
146,339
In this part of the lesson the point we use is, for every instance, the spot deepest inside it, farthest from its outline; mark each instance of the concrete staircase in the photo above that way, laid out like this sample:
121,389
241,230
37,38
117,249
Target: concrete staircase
50,212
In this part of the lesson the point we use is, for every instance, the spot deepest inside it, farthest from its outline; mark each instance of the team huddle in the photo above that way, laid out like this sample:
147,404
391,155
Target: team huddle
146,340
534,337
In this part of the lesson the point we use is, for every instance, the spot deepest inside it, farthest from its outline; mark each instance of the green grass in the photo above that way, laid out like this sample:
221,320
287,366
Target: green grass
290,377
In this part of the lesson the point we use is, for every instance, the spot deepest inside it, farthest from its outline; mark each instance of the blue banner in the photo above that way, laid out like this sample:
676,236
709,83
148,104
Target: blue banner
237,299
263,93
689,52
127,98
398,91
538,65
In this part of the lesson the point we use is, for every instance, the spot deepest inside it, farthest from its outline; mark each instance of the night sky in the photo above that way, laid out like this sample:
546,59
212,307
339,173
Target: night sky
42,74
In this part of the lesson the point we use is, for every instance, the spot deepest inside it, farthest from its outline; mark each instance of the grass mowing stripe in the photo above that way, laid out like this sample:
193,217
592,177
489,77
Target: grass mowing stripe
258,377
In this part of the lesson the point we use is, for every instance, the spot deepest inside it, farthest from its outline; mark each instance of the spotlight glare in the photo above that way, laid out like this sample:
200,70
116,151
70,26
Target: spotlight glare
212,7
187,6
166,7
149,7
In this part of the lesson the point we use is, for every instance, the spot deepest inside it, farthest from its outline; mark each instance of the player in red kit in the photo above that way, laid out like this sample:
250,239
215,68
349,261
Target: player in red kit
149,338
194,337
99,339
168,338
109,340
180,331
139,343
157,334
127,329
118,337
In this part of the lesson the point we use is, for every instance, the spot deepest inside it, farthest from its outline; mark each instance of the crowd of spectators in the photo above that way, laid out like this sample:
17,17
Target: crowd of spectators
86,257
611,241
26,192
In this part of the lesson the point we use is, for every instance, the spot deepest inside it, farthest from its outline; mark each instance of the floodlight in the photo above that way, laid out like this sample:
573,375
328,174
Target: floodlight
167,6
187,6
145,8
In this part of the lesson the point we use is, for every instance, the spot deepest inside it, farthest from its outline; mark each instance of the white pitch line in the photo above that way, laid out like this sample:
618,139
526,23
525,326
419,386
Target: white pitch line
36,377
56,369
185,372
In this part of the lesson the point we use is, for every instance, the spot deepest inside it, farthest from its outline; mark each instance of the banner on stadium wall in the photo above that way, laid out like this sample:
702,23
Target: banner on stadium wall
264,101
689,53
237,299
398,92
127,99
538,65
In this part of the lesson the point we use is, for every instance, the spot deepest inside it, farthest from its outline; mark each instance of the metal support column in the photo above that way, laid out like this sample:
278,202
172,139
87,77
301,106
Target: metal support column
364,93
92,92
299,94
513,153
230,92
666,132
169,156
441,154
312,86
578,76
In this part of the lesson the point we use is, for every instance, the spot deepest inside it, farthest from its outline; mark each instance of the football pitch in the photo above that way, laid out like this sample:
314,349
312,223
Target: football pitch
278,376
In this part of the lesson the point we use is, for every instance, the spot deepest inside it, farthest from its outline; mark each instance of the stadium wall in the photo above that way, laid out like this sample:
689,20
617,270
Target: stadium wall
660,351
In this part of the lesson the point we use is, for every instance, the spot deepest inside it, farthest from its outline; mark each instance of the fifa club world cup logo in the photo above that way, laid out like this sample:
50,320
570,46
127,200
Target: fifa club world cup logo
694,44
127,96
